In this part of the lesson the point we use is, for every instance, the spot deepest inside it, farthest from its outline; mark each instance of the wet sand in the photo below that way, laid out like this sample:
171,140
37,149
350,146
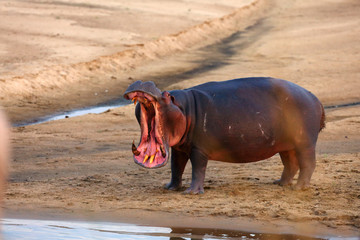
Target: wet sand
82,167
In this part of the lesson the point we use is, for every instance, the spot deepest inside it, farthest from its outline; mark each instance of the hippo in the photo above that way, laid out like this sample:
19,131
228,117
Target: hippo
238,121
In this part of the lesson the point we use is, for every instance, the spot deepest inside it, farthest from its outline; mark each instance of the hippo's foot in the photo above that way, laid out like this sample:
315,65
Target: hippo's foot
194,190
282,182
301,186
173,187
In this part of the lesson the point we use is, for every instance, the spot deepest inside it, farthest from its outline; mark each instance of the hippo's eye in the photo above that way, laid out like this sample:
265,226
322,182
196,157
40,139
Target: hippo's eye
166,94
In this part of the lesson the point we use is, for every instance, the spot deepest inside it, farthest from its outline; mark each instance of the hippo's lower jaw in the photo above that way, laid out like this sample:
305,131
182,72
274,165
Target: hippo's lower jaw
152,151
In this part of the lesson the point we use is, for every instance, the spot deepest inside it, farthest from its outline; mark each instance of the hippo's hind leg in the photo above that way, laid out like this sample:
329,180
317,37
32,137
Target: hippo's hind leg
291,166
293,160
178,163
307,163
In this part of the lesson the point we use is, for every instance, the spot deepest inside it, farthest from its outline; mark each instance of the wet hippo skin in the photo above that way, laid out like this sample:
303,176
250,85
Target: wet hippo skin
239,121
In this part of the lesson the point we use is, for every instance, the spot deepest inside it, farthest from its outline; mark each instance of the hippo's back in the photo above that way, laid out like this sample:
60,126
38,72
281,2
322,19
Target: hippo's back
256,91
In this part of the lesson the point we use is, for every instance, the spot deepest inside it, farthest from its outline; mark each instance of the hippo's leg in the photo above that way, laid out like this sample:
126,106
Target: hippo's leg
198,162
306,158
291,166
178,163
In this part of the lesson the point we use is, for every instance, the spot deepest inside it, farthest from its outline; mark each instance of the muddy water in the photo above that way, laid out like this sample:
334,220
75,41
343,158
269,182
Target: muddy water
29,229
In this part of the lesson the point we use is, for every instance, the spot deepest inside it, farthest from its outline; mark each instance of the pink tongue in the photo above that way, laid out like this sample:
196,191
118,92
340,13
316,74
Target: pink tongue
152,148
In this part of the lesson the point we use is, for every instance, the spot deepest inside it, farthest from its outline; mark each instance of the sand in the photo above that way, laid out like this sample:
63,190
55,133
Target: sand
47,80
82,167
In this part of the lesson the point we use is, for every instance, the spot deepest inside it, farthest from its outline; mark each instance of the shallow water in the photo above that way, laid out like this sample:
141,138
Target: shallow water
47,229
30,229
76,112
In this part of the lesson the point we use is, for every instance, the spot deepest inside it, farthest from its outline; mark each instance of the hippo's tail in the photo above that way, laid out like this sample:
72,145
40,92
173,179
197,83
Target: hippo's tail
322,120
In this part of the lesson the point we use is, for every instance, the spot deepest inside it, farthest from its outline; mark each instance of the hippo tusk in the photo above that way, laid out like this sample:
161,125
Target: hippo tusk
152,158
163,153
134,150
146,158
134,99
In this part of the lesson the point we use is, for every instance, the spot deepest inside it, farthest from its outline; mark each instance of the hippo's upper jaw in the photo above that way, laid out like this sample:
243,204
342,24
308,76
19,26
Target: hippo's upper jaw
152,151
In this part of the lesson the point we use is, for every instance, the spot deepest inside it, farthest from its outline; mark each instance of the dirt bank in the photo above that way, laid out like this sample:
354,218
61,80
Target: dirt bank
83,166
80,36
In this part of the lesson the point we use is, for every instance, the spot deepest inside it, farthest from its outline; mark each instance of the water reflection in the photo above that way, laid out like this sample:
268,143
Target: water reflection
204,233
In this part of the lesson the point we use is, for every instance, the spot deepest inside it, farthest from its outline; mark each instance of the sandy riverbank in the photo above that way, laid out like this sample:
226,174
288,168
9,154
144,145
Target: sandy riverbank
88,59
83,166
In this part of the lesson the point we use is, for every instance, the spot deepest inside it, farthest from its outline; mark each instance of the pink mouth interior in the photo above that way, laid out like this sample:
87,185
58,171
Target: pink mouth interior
151,152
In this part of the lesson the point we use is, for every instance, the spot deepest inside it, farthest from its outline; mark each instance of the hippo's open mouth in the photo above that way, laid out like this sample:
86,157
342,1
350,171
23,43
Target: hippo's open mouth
152,151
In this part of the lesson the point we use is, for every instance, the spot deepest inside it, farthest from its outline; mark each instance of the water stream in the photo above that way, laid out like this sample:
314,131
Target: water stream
100,108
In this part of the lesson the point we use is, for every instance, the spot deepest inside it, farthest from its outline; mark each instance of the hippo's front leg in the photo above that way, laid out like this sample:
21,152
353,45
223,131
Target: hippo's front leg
198,162
178,163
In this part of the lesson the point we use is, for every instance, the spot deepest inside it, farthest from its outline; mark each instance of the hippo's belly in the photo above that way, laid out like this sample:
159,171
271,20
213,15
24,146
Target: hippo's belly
246,146
244,133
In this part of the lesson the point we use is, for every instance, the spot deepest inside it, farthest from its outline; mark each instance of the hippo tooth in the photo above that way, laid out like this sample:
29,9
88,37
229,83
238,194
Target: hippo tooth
152,158
145,158
134,150
134,99
163,153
